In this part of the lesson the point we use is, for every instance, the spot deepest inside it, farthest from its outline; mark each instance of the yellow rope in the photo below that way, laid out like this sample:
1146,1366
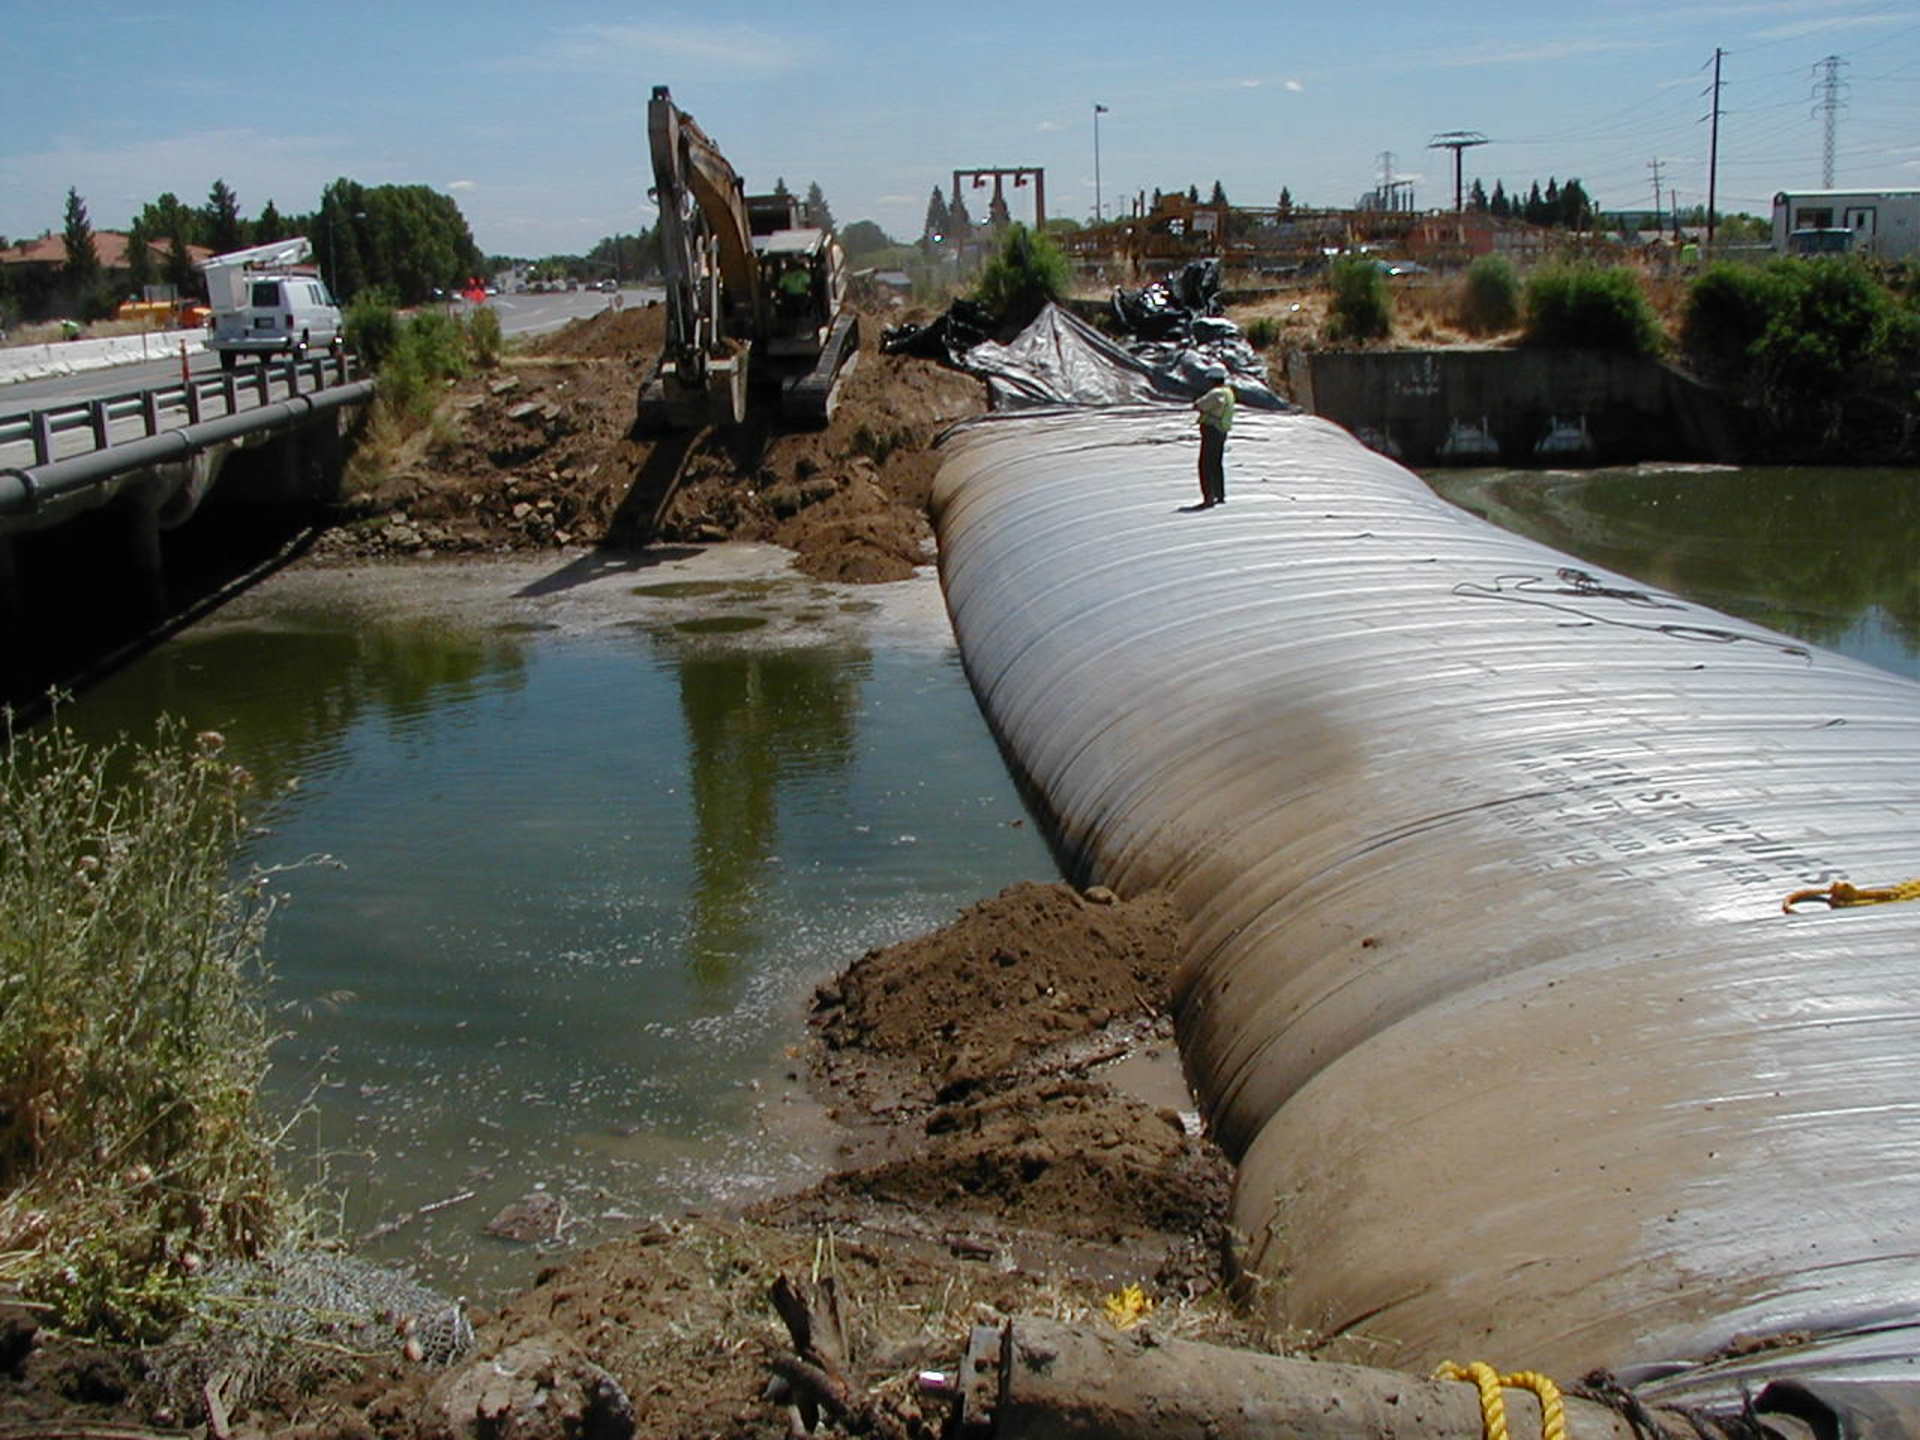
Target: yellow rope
1493,1405
1841,893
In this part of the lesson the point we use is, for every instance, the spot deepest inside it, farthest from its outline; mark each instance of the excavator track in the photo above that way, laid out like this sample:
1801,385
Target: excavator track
810,400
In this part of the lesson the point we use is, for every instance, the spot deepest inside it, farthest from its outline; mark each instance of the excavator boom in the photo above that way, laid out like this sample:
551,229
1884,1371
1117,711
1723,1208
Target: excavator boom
722,252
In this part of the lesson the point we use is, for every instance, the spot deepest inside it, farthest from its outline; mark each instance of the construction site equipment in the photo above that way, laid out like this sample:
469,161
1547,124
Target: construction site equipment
756,295
263,306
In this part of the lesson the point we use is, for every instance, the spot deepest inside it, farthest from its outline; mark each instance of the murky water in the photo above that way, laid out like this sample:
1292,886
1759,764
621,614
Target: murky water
1830,556
581,882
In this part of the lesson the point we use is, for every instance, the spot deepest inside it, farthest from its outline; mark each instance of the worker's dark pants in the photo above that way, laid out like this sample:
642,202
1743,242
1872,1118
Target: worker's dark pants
1213,466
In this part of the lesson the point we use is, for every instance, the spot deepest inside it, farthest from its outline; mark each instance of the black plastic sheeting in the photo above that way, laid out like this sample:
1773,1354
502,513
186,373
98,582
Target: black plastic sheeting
1060,360
1488,991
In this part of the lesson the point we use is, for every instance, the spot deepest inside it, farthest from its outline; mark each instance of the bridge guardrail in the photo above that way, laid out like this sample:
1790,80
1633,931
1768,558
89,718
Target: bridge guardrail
160,404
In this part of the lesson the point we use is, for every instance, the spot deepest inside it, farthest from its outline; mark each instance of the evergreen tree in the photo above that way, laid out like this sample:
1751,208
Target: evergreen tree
1219,195
225,230
1286,203
83,257
936,226
819,214
180,272
959,222
1499,205
139,259
1193,194
1477,197
270,227
1536,211
337,238
780,185
1576,207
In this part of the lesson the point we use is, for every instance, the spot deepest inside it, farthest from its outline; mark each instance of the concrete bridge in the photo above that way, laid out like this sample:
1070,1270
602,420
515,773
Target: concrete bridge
149,458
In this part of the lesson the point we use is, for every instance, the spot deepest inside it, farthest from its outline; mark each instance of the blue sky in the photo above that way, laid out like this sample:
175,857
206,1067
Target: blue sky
534,116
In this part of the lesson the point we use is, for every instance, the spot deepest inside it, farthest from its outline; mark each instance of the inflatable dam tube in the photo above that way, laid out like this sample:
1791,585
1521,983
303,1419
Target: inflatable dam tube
1488,987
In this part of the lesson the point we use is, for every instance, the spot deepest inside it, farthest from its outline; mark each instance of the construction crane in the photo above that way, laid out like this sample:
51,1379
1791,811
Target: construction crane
756,297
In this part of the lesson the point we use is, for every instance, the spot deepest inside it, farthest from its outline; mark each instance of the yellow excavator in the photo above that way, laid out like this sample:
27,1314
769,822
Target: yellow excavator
756,298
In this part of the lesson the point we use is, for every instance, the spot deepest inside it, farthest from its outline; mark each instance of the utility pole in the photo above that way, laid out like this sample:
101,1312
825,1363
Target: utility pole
1098,111
1830,105
1713,151
1456,141
1654,165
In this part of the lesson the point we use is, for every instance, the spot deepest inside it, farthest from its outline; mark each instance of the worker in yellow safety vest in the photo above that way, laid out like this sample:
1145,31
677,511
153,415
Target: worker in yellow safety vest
1216,419
795,283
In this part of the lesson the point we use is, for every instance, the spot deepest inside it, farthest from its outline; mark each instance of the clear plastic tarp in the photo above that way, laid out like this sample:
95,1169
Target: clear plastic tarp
1489,990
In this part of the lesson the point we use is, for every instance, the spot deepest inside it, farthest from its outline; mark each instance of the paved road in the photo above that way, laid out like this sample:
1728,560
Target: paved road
519,315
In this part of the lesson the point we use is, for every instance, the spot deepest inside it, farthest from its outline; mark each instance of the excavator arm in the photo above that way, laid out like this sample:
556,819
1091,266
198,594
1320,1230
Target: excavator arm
722,309
711,277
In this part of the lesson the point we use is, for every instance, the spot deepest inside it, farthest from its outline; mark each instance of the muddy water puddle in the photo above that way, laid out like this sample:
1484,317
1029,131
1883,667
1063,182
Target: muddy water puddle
565,861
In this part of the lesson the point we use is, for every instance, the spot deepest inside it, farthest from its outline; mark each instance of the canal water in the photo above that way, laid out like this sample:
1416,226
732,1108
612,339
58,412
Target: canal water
570,843
1829,556
567,861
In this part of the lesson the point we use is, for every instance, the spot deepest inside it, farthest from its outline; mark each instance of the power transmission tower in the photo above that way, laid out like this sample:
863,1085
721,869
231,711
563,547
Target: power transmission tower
1829,106
1654,165
1456,141
1713,149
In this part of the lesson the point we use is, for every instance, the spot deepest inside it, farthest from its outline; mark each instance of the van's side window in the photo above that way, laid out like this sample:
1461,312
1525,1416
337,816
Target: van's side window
266,294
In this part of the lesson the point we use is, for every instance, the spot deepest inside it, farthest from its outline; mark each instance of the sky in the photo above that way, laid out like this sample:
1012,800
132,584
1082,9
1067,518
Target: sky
533,117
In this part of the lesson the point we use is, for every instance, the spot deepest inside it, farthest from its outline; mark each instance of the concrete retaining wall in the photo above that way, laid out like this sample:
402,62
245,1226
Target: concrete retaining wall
1419,405
68,357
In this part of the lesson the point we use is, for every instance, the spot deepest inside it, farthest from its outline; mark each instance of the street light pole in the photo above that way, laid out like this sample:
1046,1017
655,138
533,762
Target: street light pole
1098,213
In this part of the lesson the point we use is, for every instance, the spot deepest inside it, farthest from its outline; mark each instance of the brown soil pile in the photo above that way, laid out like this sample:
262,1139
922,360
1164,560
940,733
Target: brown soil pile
990,1169
542,453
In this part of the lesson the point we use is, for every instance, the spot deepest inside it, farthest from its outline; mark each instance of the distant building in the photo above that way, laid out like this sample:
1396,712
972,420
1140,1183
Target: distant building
1885,223
35,267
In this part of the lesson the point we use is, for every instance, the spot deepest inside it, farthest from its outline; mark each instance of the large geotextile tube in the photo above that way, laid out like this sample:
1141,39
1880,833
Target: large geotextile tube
1488,986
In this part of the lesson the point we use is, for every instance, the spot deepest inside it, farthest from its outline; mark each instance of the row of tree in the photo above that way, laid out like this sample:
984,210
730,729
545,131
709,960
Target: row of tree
409,240
1563,207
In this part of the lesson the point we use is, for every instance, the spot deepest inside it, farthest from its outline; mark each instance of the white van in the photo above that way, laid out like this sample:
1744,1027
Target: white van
263,309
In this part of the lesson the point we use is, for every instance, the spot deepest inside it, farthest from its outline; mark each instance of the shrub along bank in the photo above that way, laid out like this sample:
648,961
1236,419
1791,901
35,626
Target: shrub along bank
134,1151
1823,352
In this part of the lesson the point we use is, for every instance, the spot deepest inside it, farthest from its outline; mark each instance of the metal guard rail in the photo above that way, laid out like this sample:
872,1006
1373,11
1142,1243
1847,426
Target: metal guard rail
97,416
23,491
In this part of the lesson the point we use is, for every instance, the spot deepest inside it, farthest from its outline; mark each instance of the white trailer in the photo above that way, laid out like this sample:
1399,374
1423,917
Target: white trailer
1883,223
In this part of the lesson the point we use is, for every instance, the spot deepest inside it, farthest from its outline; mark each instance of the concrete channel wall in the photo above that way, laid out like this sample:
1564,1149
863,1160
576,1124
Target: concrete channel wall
1499,407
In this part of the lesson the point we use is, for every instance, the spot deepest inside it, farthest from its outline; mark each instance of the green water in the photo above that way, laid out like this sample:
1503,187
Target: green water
1828,556
579,889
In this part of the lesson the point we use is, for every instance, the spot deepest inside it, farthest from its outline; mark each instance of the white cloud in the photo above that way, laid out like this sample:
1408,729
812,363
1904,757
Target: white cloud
1835,22
1047,127
1295,86
650,48
1542,53
117,179
1251,84
463,184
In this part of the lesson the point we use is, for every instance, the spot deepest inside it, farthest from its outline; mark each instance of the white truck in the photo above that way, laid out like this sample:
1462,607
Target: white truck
265,303
1885,223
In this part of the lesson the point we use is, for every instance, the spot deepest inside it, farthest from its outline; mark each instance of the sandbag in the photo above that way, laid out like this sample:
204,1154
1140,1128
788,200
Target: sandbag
1489,990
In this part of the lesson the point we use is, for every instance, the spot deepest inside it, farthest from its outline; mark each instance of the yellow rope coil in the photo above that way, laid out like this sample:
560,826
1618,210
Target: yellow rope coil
1493,1405
1840,893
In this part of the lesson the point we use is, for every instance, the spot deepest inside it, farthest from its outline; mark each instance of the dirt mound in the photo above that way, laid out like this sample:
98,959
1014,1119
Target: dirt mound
541,453
1036,965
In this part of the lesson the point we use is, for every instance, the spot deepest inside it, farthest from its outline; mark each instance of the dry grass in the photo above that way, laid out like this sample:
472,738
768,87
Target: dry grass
133,1038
